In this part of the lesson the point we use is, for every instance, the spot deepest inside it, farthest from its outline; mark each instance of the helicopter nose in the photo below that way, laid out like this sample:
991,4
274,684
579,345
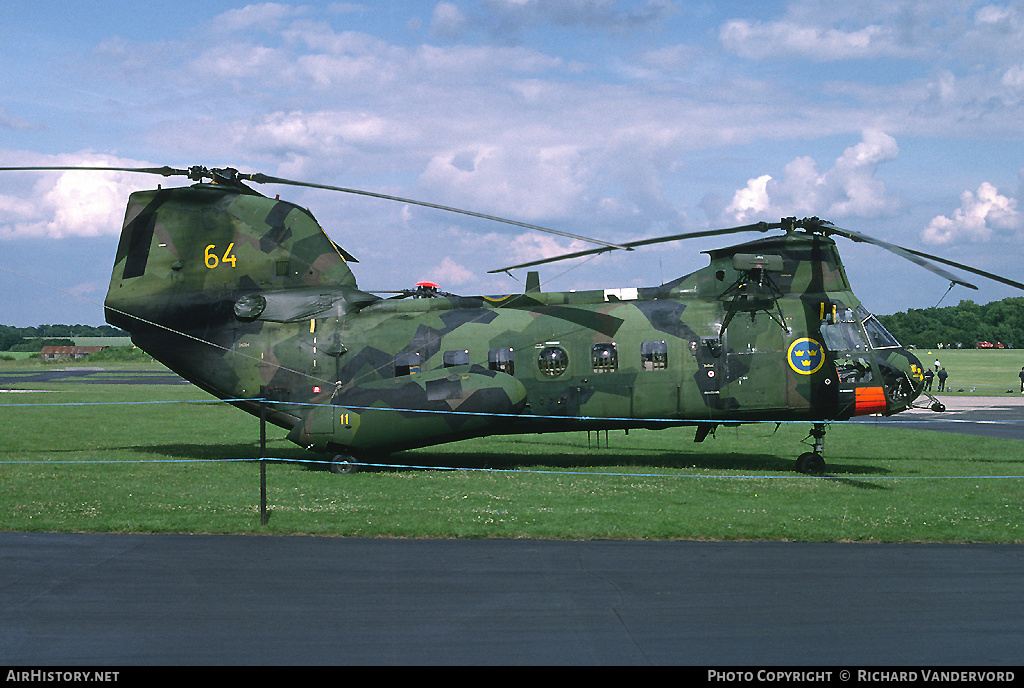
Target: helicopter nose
902,380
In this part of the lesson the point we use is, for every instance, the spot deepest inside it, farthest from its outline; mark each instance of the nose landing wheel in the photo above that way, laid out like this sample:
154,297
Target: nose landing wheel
811,462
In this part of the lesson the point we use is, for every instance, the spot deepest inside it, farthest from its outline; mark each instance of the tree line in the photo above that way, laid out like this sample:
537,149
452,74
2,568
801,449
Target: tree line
965,324
18,338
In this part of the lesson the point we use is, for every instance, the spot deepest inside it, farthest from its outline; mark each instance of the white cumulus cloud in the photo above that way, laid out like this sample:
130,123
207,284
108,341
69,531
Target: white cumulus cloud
70,203
526,183
980,214
848,189
752,201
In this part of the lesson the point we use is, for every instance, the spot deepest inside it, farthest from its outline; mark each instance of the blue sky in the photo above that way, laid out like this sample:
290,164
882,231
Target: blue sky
618,120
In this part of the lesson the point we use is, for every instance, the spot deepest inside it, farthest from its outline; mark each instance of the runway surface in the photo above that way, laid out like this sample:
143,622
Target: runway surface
89,375
1001,416
125,600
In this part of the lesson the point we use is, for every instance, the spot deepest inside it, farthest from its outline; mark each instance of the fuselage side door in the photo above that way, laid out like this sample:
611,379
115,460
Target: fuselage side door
755,369
657,388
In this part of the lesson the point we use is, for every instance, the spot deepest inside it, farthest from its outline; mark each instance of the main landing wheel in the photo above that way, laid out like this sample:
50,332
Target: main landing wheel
342,464
810,463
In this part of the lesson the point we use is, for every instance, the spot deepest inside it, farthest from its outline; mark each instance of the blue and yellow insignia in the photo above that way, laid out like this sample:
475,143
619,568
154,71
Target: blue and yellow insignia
806,356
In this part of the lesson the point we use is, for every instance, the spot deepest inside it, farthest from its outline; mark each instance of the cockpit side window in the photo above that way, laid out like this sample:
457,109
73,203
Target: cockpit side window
843,336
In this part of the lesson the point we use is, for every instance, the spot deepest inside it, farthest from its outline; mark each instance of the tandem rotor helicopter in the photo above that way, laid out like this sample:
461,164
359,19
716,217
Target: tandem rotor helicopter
246,297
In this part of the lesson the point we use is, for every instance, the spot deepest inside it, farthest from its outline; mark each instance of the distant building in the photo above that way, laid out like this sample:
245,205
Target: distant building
67,353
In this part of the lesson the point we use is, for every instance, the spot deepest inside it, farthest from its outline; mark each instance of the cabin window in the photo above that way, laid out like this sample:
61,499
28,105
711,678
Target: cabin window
407,363
653,355
456,358
553,361
501,359
605,358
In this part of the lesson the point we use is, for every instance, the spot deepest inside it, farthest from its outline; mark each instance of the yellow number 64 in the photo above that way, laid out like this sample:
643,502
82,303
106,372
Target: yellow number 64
213,261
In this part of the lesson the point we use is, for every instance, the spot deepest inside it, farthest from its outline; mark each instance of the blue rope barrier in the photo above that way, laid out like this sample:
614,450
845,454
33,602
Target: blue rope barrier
685,421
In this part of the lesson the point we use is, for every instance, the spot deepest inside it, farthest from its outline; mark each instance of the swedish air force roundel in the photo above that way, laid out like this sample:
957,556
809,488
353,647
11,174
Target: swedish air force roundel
806,356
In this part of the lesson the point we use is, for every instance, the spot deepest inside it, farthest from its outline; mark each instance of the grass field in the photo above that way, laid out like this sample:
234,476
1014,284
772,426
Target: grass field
80,459
978,372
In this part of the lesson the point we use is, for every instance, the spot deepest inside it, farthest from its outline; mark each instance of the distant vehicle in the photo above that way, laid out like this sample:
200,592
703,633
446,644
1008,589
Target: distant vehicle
986,345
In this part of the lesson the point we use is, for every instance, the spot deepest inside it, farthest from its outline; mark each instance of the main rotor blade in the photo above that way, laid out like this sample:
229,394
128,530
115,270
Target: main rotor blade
968,268
911,255
163,171
266,179
630,245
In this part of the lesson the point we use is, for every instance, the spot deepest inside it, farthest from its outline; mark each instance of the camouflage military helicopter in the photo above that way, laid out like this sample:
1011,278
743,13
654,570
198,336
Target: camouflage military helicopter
247,297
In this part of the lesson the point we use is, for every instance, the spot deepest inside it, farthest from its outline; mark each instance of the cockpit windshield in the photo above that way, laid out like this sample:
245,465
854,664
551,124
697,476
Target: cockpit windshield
877,335
844,333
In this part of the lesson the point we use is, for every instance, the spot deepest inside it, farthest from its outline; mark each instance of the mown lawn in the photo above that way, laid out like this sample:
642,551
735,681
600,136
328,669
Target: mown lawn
82,459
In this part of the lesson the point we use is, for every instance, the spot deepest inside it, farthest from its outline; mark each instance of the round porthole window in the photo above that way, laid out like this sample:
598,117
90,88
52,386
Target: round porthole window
553,361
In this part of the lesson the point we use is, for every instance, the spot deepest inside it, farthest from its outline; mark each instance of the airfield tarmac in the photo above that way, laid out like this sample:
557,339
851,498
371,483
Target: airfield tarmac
132,600
9,379
1001,416
210,600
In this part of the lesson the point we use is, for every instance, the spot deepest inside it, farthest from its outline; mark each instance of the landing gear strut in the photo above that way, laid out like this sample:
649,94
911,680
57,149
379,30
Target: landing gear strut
936,406
811,462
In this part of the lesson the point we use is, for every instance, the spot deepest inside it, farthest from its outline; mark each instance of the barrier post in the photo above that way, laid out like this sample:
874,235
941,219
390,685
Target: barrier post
263,456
